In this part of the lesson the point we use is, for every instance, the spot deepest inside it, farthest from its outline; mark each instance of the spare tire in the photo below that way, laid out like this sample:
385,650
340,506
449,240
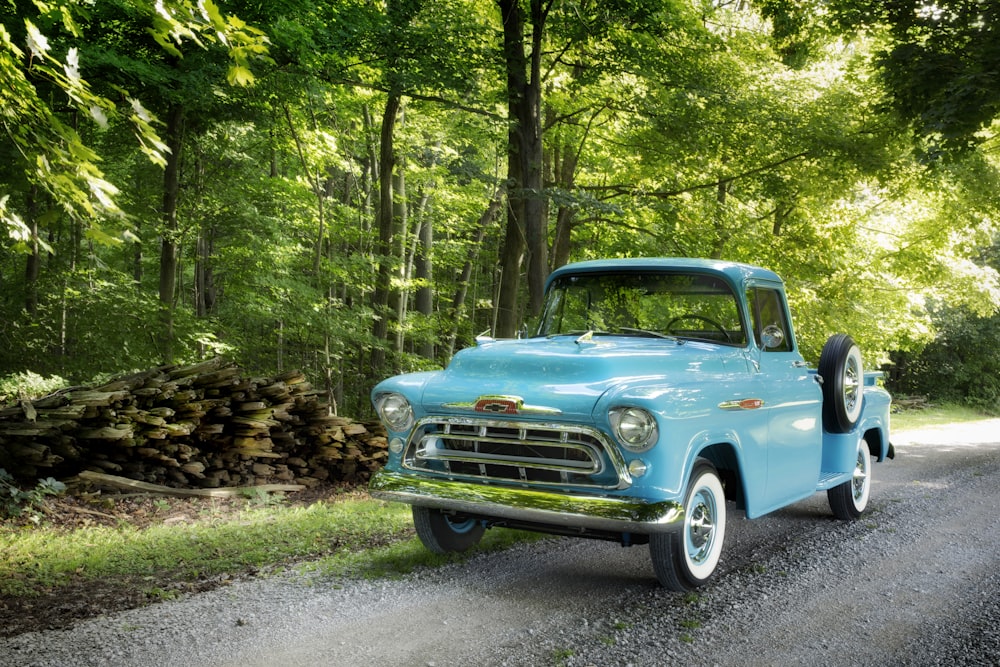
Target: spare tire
842,371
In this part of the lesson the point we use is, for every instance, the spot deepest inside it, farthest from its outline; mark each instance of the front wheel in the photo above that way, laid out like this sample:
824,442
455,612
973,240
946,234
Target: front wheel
442,533
849,499
686,559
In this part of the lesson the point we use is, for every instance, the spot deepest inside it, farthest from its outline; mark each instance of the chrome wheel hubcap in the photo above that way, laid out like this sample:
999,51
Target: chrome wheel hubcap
860,479
701,527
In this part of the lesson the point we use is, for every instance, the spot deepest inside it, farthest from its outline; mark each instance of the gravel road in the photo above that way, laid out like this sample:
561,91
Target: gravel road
916,581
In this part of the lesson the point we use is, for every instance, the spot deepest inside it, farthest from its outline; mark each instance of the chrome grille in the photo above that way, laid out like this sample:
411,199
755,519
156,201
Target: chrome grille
527,453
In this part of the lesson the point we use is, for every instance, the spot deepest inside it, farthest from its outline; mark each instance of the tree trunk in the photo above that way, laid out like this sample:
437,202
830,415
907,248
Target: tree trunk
458,300
33,263
169,240
383,280
526,223
204,277
315,184
781,213
400,234
722,232
424,273
565,177
509,279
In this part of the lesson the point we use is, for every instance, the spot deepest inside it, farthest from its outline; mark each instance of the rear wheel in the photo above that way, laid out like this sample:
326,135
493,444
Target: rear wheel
442,533
686,559
849,500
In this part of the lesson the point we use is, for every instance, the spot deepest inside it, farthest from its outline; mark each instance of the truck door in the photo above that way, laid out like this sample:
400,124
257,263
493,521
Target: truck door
793,401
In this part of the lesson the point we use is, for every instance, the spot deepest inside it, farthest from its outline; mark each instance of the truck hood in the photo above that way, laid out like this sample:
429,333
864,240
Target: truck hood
560,376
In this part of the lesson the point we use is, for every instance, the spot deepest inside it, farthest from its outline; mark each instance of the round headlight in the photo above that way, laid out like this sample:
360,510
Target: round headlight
635,428
394,411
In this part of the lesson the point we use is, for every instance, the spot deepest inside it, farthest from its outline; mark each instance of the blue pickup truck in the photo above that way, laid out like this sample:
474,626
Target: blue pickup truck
652,392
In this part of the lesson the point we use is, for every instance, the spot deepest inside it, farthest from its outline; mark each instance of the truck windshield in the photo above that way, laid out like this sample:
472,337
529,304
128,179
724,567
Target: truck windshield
687,306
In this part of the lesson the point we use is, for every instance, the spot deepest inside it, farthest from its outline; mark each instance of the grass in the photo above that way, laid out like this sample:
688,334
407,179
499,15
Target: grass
355,535
561,656
936,415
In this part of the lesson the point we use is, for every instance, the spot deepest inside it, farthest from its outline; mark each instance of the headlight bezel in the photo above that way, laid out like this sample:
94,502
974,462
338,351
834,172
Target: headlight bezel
634,428
395,411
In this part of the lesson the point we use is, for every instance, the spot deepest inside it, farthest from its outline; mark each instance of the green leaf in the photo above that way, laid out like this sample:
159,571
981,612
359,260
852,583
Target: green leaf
240,76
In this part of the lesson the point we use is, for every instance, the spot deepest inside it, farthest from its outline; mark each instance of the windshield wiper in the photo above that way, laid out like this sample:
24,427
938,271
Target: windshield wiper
649,332
572,332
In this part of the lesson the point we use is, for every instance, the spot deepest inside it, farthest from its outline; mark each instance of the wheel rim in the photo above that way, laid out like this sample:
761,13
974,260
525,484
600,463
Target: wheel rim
859,483
852,384
701,527
460,527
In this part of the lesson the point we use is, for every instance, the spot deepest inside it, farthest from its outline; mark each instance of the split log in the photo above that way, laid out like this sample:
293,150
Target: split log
29,410
36,429
98,398
116,432
200,367
228,492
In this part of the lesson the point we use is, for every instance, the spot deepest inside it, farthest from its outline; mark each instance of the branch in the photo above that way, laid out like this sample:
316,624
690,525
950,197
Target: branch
451,104
620,189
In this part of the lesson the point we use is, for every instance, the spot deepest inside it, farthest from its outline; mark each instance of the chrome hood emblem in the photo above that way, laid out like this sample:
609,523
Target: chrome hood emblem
502,405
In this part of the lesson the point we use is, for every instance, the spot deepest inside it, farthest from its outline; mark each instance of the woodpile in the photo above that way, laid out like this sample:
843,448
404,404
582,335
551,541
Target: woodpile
200,426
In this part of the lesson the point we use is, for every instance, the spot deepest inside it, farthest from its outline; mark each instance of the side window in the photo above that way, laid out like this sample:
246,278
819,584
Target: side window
768,319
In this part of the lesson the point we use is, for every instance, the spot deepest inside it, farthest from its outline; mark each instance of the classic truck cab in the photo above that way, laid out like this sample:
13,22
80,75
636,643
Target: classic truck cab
652,391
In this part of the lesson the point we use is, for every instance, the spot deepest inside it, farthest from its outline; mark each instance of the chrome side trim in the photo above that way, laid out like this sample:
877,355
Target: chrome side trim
607,513
742,404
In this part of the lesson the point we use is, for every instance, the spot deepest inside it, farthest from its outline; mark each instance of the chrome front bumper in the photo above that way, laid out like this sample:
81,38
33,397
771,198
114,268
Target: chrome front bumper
571,511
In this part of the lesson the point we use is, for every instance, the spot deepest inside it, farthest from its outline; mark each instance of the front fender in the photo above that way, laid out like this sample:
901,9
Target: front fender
692,424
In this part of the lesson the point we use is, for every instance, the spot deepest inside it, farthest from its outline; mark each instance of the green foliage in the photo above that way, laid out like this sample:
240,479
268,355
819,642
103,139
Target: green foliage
938,61
955,367
52,153
17,502
28,385
90,322
561,656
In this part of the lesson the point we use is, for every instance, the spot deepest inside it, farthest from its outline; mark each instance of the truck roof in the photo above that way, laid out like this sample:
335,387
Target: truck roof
735,272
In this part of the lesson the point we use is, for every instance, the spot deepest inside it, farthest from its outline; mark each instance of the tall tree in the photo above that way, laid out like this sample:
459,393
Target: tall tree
527,227
170,234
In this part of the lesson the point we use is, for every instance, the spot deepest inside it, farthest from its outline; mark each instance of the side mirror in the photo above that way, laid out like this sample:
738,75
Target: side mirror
772,337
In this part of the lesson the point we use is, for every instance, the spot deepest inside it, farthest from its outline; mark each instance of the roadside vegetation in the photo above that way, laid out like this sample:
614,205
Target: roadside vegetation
69,557
936,415
171,541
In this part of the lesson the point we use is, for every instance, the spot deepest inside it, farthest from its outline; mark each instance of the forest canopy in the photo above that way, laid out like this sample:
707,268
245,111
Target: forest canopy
356,188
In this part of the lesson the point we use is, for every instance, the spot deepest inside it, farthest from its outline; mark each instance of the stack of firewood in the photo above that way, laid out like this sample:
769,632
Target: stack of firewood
204,426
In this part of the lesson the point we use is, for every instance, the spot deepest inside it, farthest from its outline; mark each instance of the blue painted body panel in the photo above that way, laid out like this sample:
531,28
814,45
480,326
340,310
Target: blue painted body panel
760,410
